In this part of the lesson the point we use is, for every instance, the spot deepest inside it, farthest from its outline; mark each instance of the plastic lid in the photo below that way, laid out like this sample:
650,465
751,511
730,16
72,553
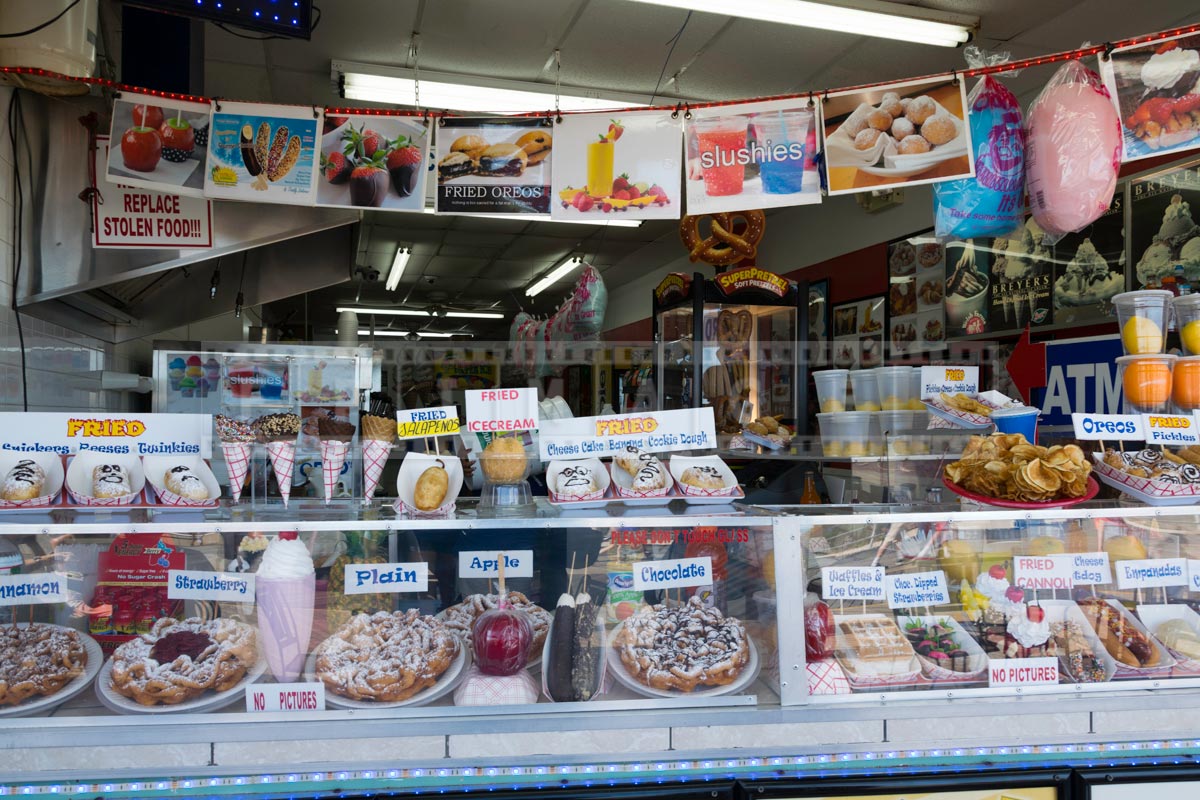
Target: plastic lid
1186,300
1015,411
1143,294
1147,357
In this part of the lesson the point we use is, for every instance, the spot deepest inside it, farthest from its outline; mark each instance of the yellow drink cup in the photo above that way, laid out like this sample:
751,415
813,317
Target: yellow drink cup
600,168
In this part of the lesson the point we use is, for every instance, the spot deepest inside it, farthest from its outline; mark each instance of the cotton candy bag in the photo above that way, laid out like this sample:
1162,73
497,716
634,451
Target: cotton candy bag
1072,151
993,202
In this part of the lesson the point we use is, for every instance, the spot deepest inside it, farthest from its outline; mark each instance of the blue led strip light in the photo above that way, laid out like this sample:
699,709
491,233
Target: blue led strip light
448,779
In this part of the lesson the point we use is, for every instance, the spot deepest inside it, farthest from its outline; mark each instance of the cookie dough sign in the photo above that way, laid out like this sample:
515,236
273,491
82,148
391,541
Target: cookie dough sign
652,432
494,165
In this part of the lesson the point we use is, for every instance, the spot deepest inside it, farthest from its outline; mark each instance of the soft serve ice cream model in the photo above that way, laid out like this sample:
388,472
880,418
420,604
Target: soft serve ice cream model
285,587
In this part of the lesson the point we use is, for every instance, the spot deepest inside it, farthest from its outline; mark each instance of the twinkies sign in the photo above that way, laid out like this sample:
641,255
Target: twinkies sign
296,697
486,563
25,590
1023,672
1170,429
649,431
1113,427
395,578
195,585
421,422
116,434
499,410
676,573
949,380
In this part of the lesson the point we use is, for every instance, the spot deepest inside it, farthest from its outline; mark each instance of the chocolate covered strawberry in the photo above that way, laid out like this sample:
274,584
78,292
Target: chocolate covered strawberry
369,182
403,165
336,167
364,141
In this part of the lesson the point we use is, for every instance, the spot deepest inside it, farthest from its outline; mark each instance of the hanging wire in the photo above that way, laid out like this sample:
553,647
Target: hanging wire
414,52
557,84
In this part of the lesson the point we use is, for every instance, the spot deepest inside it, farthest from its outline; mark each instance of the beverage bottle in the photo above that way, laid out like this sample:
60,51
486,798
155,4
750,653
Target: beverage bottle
811,496
1182,286
713,594
623,599
1168,283
11,562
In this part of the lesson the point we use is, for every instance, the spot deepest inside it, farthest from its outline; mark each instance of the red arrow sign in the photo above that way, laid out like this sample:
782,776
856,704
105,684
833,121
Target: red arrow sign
1027,365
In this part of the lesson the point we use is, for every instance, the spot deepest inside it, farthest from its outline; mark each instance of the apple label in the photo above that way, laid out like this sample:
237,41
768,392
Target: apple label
486,563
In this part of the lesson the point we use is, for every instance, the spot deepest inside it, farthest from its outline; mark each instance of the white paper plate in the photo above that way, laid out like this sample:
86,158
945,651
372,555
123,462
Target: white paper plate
445,684
601,679
411,468
617,670
79,478
209,701
680,464
51,464
44,705
155,469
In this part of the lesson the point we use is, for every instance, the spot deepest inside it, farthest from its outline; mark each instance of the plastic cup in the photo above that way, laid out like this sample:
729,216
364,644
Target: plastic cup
1018,419
783,135
831,389
720,141
832,433
1146,382
1185,383
914,402
866,390
1187,322
857,430
875,443
895,387
896,427
1143,318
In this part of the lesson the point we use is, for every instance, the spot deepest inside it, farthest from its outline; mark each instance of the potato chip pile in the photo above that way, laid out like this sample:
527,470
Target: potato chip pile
1006,466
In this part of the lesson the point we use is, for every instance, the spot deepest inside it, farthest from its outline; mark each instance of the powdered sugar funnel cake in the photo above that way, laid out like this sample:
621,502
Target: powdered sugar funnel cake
285,587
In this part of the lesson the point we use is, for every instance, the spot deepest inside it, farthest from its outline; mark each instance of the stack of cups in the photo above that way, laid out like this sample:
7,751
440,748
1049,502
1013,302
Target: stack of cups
1145,369
831,389
1185,377
856,428
833,433
896,387
914,397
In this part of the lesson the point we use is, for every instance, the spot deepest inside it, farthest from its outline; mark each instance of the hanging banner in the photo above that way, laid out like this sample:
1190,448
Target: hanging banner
901,134
1153,87
753,155
1022,277
373,162
626,168
158,144
494,165
131,217
1162,231
263,153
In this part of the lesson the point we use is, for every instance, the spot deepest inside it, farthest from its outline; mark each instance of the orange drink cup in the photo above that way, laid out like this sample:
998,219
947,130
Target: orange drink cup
600,169
1146,381
1185,383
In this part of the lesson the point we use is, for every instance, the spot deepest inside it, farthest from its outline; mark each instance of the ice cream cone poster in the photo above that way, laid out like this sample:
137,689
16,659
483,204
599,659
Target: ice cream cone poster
900,134
159,144
1156,91
263,153
494,165
373,162
1163,231
1089,269
625,166
756,155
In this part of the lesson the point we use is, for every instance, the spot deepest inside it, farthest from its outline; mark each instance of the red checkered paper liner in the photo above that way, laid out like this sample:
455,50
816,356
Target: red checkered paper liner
237,461
87,500
826,677
479,689
168,498
375,456
965,416
1145,485
696,491
333,458
439,512
33,502
283,461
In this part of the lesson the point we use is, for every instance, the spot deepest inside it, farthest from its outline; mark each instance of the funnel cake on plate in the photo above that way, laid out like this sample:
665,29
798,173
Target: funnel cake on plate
179,661
683,648
38,660
386,657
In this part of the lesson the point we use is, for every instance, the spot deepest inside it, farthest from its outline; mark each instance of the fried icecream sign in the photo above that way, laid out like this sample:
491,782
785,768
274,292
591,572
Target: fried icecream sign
116,434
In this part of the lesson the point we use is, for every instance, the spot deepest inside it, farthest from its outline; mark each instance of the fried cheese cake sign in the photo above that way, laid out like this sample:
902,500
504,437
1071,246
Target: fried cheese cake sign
494,166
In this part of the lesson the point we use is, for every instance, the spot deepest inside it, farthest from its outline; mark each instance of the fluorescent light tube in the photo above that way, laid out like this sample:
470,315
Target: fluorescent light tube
397,270
616,223
389,312
474,315
397,86
554,276
870,18
422,334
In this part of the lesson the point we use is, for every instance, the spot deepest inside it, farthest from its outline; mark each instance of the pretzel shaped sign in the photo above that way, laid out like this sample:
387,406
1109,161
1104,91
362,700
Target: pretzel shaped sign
722,246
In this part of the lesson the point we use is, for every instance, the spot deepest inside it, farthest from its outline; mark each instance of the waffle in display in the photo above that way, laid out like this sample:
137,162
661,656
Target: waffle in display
873,651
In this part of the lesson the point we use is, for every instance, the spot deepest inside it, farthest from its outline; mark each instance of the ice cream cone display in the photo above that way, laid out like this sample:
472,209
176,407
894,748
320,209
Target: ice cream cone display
335,443
285,587
279,432
378,433
235,437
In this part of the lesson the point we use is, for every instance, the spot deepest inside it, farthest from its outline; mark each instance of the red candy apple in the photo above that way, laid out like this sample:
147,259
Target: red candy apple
141,148
997,571
147,116
502,637
178,134
818,628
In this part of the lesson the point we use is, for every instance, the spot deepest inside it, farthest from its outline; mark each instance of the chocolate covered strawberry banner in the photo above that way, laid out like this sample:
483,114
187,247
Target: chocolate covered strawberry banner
159,144
263,153
373,162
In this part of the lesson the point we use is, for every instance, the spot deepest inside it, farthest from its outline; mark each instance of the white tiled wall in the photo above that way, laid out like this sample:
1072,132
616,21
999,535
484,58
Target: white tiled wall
57,359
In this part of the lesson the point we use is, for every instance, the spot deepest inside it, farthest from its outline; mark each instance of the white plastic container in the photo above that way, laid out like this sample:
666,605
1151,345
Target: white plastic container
866,390
68,46
831,389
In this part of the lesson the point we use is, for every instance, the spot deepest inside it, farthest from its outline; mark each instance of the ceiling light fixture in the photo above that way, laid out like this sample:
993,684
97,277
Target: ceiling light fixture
867,18
407,312
556,274
614,223
422,334
397,270
396,85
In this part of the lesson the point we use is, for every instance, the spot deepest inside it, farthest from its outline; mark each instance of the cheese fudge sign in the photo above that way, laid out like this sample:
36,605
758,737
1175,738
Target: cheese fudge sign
649,432
131,217
285,697
677,573
24,590
853,583
486,563
421,422
115,434
184,584
393,578
500,410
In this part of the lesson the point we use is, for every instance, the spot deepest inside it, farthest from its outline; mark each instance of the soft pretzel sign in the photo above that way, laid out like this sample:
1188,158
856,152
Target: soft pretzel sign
737,280
118,434
727,243
651,432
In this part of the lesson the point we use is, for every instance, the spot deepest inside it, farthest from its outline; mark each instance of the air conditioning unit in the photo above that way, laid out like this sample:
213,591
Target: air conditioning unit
67,45
879,199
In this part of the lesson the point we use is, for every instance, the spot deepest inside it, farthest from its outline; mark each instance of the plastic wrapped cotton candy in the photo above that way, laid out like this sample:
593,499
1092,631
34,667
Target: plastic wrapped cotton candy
1072,151
992,203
